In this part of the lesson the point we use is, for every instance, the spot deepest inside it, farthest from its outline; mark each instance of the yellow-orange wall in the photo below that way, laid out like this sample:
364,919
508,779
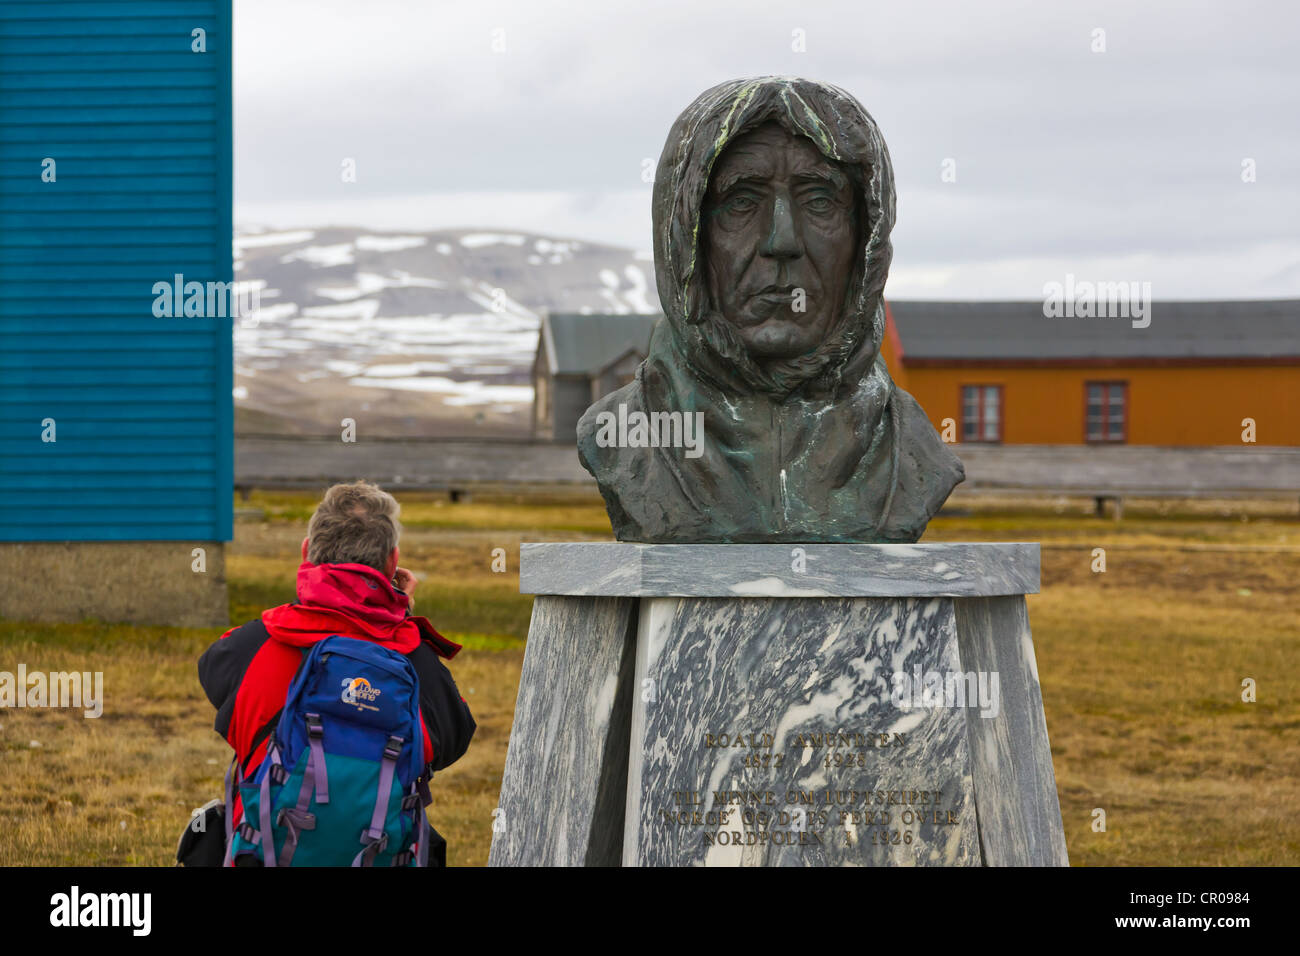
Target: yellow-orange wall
1168,405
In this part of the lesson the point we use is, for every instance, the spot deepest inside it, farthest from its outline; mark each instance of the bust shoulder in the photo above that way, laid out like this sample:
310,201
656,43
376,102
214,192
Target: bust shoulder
927,472
602,460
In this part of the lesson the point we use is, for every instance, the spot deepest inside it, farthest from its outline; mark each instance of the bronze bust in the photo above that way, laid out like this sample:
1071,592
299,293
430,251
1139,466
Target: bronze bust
773,204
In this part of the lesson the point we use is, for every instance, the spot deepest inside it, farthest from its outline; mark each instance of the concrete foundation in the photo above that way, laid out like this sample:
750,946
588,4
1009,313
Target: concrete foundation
136,582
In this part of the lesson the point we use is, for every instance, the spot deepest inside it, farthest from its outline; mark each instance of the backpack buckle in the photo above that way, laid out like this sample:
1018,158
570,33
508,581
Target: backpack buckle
315,729
393,748
295,819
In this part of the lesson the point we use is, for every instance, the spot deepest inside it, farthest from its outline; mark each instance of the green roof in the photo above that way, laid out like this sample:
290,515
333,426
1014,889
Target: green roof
577,344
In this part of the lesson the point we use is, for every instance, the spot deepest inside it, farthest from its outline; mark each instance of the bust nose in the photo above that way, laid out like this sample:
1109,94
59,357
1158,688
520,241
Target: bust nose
782,238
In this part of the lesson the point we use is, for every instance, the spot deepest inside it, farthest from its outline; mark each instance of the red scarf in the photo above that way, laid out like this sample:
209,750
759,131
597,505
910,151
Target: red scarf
354,600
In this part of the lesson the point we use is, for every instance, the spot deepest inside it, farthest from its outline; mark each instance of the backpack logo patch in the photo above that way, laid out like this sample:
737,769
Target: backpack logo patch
357,690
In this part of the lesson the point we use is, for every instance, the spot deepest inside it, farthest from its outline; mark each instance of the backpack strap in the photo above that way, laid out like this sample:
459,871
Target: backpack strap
316,763
230,809
374,836
426,798
415,802
295,820
262,733
314,779
264,809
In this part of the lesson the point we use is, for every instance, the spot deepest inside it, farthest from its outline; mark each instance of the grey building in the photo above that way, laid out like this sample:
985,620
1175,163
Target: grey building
581,358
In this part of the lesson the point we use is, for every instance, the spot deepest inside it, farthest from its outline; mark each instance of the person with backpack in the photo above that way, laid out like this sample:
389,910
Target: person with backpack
338,707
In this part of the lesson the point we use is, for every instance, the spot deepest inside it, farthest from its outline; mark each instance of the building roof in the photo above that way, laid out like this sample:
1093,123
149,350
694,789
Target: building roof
1019,331
576,344
637,352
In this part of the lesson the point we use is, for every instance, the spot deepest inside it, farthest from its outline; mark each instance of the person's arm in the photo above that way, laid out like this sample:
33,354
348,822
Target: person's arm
446,715
222,668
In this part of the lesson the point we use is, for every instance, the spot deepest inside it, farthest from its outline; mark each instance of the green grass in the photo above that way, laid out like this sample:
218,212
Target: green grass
1141,671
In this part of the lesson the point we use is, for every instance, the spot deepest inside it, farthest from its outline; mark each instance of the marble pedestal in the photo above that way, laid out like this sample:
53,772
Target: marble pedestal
779,705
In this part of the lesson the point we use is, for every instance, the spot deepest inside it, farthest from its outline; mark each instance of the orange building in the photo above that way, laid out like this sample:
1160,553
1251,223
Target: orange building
1004,372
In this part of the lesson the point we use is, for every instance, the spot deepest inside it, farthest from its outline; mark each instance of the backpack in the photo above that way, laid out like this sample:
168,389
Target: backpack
343,781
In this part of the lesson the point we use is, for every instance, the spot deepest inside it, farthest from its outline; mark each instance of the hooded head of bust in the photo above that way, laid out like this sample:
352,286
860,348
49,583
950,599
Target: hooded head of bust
773,204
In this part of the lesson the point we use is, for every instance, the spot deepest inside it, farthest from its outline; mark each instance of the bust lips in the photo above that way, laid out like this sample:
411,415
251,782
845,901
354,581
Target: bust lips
776,322
769,301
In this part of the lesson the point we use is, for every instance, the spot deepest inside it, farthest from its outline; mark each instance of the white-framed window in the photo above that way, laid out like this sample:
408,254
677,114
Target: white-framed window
1105,412
981,413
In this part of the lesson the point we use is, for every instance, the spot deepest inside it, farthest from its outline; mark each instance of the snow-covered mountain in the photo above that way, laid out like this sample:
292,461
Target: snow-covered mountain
414,333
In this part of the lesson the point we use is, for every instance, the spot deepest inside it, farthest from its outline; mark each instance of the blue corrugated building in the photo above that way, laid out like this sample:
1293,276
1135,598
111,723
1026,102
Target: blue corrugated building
116,423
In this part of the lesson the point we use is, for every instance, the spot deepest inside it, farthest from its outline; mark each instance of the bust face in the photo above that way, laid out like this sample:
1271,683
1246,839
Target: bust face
779,240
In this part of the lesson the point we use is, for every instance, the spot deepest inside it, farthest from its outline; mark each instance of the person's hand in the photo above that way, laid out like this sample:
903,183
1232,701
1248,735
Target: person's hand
406,582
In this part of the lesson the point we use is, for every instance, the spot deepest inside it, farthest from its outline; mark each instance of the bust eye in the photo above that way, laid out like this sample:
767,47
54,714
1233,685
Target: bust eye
820,204
741,204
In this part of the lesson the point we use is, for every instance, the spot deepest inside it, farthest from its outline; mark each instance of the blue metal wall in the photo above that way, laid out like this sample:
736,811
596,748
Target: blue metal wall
140,129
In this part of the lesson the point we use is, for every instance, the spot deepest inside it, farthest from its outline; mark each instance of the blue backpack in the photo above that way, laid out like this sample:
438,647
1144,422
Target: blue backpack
343,781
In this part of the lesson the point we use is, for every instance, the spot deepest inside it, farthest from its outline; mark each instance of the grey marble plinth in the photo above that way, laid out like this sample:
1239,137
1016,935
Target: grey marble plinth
778,570
563,789
742,705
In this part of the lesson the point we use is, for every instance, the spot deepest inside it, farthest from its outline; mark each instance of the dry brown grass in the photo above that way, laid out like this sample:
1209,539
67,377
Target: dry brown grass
1141,670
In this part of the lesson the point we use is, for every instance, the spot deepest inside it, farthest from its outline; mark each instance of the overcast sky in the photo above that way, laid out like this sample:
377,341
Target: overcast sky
1118,165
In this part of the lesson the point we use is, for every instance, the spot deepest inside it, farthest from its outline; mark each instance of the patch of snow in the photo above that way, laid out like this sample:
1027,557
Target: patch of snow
636,296
272,239
389,243
495,300
616,305
459,393
476,240
363,309
477,393
323,256
273,313
555,250
368,283
406,279
405,369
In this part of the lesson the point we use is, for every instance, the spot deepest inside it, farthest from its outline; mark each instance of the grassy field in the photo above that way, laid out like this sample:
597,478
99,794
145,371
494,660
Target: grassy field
1141,666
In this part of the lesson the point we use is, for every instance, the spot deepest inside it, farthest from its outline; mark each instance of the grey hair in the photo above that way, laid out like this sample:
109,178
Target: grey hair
355,523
